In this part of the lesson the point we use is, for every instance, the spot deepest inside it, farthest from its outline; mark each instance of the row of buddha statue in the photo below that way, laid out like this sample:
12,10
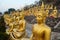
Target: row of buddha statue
17,24
44,8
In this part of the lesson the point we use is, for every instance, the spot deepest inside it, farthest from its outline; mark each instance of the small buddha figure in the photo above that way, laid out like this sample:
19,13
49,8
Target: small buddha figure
40,30
32,11
47,13
22,23
54,13
10,25
51,6
48,7
6,18
35,9
29,12
10,29
19,28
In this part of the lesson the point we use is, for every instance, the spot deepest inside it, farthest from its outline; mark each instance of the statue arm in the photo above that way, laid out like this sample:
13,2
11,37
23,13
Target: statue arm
48,34
24,24
31,37
11,28
23,27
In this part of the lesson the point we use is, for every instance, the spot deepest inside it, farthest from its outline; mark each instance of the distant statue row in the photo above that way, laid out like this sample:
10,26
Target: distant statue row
17,24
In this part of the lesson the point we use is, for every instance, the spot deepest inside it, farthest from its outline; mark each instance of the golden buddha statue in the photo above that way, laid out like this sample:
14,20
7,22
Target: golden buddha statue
48,6
29,12
35,11
47,13
7,19
22,23
19,27
54,13
32,11
40,30
51,6
16,25
10,29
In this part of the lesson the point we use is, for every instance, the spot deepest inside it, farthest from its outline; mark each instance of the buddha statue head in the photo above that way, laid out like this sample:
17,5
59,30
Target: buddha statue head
21,15
39,17
47,13
55,10
54,13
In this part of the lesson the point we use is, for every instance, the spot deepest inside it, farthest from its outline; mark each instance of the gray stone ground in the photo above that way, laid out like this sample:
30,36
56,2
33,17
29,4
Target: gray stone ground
54,35
28,29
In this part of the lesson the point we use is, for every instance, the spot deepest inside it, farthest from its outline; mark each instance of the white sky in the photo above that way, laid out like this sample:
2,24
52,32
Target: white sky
17,4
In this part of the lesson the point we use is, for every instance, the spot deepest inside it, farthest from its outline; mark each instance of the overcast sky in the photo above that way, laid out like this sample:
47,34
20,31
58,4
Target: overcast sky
17,4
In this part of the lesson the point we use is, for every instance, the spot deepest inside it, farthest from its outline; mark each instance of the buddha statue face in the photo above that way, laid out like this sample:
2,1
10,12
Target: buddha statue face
47,11
39,17
54,14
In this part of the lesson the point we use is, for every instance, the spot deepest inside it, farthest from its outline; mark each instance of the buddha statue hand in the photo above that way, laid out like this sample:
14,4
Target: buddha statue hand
17,34
7,31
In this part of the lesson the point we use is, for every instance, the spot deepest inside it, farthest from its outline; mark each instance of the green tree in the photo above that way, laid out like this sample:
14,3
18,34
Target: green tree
10,10
3,35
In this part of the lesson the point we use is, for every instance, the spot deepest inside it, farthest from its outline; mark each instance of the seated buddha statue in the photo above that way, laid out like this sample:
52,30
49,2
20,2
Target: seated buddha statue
40,30
47,13
10,26
19,28
6,18
22,23
54,13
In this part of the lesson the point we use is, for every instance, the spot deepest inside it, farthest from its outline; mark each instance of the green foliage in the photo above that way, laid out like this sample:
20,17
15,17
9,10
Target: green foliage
10,10
4,36
2,24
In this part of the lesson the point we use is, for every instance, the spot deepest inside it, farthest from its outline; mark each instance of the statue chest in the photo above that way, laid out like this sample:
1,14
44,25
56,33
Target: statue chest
38,31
